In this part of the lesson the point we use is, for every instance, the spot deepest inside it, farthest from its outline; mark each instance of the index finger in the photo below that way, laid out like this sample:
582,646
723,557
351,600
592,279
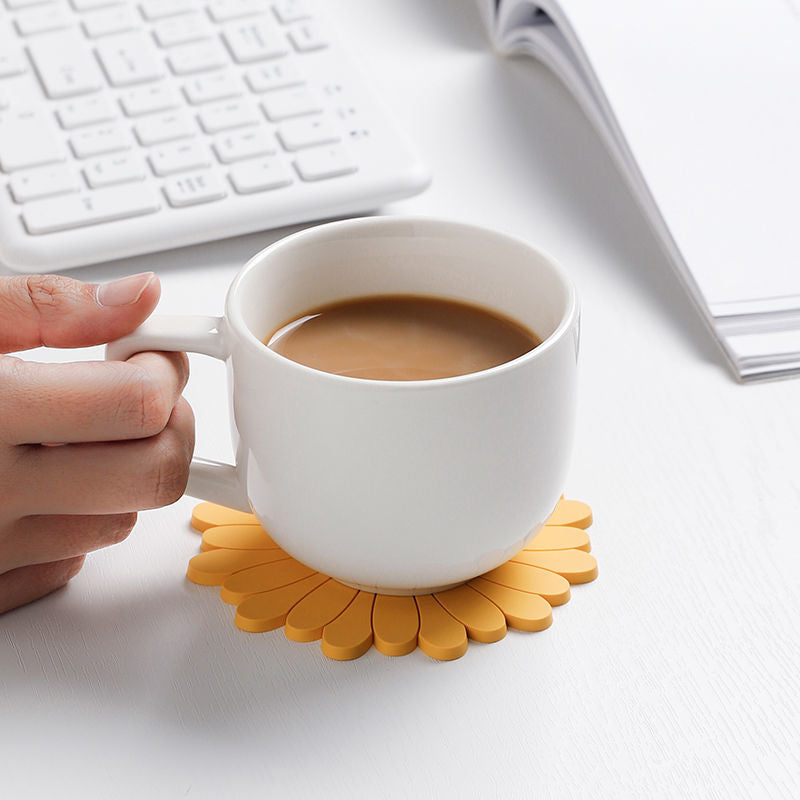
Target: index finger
93,401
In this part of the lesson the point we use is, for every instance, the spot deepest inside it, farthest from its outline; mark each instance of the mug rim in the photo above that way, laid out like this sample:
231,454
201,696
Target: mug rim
235,318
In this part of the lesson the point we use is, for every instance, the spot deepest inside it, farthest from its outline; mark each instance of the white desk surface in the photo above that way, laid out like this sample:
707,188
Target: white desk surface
673,675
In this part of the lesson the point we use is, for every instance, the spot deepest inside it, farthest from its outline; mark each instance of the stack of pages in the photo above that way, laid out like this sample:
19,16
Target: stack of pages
699,103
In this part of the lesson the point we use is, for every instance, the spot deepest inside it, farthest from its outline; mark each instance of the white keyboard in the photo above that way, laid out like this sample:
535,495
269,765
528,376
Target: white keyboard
130,127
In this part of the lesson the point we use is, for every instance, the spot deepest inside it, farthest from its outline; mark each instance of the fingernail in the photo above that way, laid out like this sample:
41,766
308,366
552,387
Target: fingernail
124,291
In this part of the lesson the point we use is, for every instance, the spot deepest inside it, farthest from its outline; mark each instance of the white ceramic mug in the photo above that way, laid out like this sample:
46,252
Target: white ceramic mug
396,486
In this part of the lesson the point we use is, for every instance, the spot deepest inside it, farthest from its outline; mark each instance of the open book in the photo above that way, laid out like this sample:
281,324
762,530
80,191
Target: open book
699,104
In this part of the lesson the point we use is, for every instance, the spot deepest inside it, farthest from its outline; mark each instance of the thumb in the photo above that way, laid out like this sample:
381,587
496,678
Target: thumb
56,311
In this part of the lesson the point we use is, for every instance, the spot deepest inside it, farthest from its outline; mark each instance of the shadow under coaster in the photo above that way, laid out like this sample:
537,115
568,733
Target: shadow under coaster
270,589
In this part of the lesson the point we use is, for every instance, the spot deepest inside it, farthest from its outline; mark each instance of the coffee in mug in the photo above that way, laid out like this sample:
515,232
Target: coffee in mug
402,338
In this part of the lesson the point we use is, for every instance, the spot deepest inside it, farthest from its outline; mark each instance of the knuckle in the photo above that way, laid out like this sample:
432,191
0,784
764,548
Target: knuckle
171,472
156,408
47,291
184,429
147,405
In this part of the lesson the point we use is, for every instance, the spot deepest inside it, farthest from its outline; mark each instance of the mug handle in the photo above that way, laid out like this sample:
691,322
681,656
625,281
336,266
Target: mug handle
208,480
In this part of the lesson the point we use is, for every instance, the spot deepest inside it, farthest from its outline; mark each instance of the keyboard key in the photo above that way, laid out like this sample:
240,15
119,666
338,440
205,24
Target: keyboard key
255,40
28,140
129,59
113,170
258,176
278,75
219,86
241,145
222,117
77,210
307,37
85,111
291,11
43,182
148,100
182,29
12,61
224,10
108,21
158,9
199,187
64,65
41,20
197,57
164,128
98,141
297,134
286,103
171,158
324,162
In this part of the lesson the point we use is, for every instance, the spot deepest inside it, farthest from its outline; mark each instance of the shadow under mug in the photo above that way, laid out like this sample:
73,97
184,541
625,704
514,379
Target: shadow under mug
393,486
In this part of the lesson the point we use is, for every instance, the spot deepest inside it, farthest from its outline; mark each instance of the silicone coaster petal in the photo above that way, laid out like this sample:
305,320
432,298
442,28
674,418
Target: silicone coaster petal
483,620
238,537
571,512
349,636
213,567
266,611
207,515
262,579
522,610
307,619
441,636
395,624
574,565
552,587
560,537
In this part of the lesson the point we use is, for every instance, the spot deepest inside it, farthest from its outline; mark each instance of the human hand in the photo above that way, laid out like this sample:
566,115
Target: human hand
125,433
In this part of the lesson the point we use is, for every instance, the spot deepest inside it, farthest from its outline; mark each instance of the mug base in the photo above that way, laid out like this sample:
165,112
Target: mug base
401,592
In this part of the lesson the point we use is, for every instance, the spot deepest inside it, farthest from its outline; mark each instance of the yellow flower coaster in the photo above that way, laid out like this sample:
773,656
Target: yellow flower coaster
270,589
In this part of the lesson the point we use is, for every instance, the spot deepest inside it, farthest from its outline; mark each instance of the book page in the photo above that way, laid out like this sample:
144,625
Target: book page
705,95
